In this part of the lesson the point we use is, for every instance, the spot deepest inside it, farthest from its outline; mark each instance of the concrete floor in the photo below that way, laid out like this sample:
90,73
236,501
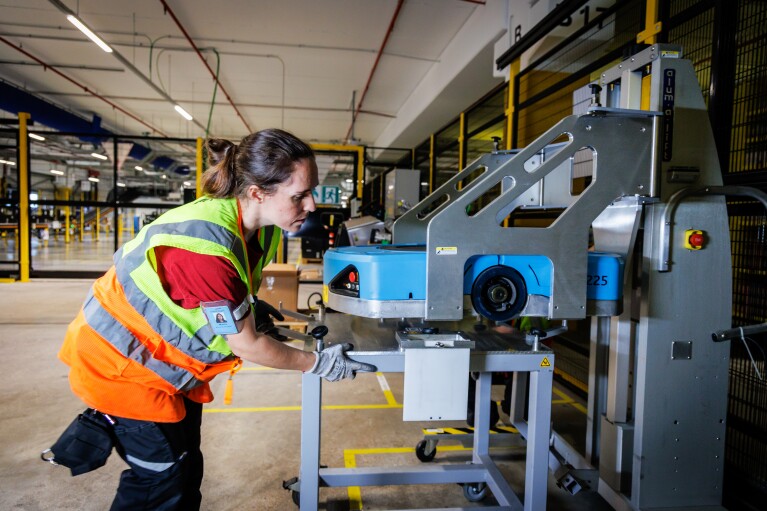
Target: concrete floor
250,446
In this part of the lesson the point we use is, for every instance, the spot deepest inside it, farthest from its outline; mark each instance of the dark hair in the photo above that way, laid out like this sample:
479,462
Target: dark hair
264,158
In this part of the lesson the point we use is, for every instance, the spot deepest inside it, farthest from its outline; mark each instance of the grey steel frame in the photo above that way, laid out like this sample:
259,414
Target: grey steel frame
623,142
481,470
657,383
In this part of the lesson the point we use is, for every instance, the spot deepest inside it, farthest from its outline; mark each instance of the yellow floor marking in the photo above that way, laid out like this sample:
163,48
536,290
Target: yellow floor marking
350,461
570,379
386,390
391,402
567,400
298,408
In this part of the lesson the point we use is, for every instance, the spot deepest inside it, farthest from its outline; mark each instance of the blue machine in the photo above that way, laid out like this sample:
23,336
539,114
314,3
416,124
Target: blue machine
390,281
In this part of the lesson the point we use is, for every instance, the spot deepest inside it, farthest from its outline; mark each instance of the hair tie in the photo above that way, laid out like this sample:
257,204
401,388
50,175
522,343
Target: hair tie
232,155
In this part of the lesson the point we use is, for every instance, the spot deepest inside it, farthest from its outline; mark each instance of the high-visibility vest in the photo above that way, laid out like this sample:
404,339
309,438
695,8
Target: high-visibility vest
132,351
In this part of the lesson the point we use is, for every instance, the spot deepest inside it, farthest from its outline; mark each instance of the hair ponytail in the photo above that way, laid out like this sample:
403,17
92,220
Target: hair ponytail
220,179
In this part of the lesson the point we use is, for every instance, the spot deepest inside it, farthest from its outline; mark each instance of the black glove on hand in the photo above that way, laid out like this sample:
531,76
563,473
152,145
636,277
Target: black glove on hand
333,364
264,321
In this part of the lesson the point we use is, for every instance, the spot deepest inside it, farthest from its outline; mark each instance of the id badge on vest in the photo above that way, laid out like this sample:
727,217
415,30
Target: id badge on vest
220,316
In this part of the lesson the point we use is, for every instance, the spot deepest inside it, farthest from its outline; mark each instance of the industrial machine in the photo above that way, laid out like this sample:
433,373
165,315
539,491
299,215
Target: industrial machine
642,247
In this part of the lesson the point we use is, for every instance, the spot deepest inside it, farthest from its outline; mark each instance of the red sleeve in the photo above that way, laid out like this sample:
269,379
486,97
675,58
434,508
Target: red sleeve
190,278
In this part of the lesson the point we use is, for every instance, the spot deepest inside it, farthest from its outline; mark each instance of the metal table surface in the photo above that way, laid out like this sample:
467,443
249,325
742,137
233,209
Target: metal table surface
375,343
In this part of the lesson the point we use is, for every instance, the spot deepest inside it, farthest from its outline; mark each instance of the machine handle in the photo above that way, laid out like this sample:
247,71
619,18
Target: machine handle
739,332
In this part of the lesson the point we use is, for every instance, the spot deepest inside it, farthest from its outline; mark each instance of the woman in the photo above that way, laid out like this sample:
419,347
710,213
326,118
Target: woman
143,348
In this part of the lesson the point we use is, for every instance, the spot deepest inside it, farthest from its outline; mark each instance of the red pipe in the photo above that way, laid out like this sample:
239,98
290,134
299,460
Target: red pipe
83,87
372,71
220,86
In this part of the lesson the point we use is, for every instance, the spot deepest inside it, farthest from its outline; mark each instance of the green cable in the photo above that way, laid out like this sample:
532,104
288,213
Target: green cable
215,89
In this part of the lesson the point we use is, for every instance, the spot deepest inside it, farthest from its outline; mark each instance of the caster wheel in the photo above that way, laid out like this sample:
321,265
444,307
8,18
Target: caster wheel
296,496
420,452
475,492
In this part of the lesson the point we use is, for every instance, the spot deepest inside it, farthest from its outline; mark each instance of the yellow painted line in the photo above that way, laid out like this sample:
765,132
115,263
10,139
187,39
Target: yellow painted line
253,409
360,407
350,461
386,390
298,408
580,408
571,379
567,400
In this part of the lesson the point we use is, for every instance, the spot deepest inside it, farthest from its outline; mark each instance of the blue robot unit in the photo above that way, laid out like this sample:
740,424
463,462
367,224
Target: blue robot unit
501,287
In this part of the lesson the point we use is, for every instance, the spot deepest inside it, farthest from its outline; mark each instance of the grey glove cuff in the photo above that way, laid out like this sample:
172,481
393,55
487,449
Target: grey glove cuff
316,362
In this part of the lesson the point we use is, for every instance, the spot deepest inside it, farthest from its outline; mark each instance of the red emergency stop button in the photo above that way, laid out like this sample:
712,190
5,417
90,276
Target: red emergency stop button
694,239
352,277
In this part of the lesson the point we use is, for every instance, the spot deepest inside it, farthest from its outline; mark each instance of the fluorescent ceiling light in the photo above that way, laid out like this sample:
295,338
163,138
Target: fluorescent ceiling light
121,184
99,156
87,31
36,137
57,172
164,176
350,180
424,183
7,162
183,113
187,183
93,179
138,168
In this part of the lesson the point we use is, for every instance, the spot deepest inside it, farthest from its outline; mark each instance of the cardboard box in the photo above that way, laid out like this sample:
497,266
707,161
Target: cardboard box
279,283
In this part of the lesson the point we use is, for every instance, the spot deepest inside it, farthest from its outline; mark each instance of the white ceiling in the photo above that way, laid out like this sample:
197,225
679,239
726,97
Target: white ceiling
294,64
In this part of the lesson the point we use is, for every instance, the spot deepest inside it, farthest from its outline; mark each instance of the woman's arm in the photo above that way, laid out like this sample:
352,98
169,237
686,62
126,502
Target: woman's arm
254,346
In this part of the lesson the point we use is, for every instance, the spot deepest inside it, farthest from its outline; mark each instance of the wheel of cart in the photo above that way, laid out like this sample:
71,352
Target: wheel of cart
474,492
500,436
425,450
293,486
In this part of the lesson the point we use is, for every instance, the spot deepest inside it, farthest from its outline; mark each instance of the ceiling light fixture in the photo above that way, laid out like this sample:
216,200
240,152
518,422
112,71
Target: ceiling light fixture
73,18
89,33
93,179
7,162
122,185
183,113
36,137
138,168
99,156
57,172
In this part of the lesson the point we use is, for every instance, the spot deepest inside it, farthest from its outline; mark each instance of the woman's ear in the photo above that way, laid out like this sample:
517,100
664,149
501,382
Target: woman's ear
255,193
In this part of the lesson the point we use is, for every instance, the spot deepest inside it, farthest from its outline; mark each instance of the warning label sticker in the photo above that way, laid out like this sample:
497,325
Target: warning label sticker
545,362
446,250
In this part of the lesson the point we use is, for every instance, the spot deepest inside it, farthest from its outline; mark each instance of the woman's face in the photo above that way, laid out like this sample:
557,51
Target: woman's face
288,206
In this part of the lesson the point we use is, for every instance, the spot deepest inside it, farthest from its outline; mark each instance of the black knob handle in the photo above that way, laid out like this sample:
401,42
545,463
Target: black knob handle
319,332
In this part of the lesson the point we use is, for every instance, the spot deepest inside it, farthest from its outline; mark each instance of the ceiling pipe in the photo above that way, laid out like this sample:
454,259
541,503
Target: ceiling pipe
125,62
207,102
81,86
375,66
212,73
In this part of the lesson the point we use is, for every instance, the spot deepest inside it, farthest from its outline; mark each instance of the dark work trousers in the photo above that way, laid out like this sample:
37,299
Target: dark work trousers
165,463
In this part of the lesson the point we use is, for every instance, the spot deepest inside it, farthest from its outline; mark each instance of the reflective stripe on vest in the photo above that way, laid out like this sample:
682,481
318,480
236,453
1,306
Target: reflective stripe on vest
191,334
126,343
